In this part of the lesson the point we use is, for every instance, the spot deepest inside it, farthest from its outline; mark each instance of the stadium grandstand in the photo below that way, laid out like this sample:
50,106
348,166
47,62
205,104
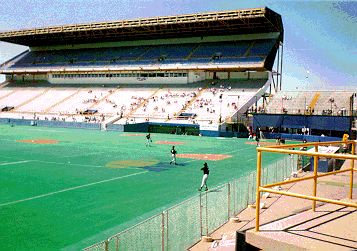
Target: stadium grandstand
200,71
215,74
308,113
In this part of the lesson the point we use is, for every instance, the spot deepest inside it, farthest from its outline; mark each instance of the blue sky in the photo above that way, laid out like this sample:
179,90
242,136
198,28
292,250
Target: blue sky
320,46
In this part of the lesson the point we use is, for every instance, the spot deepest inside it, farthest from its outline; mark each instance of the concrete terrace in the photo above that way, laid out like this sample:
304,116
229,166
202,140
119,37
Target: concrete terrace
288,223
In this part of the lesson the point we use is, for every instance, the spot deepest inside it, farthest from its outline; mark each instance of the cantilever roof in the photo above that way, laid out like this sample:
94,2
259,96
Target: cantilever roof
247,21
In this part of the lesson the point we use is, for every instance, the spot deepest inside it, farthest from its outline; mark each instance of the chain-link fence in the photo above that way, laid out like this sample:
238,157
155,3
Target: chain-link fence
182,225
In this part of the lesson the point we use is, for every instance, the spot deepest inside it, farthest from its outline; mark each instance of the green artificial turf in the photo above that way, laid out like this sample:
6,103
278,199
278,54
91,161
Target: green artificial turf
63,196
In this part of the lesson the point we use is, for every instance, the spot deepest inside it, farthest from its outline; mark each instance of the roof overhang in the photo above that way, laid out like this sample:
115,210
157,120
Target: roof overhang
235,22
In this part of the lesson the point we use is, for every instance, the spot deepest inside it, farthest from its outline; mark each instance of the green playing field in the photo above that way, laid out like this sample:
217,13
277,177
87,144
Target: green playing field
70,188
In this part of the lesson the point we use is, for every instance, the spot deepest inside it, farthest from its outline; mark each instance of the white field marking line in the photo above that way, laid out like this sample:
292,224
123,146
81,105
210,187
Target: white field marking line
13,140
64,163
69,189
41,130
14,163
73,164
84,154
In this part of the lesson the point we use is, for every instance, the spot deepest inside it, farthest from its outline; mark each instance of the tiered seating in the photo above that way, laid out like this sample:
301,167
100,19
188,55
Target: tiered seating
261,47
289,102
82,56
43,102
5,92
123,101
333,103
166,103
191,103
293,102
219,52
167,52
16,97
222,102
81,101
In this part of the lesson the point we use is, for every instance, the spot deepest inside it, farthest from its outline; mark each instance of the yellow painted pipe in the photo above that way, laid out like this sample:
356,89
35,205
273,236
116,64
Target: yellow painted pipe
328,143
325,155
351,175
308,197
316,165
306,178
257,200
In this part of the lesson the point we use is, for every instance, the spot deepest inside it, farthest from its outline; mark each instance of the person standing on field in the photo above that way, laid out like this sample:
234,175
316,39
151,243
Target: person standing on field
205,176
173,154
148,139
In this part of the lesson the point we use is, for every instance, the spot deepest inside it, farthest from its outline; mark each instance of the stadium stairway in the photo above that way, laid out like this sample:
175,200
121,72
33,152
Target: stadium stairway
62,100
32,99
10,93
189,103
141,56
192,52
314,101
4,84
246,54
104,98
117,118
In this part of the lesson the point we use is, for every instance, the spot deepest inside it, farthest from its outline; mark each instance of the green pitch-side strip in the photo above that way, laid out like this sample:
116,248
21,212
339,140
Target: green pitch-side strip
62,196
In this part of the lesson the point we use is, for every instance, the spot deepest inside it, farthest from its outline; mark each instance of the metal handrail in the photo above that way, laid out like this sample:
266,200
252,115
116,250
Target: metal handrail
280,149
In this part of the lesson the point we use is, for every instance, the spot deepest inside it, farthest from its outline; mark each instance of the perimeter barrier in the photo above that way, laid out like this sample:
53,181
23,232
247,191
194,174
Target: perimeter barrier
182,225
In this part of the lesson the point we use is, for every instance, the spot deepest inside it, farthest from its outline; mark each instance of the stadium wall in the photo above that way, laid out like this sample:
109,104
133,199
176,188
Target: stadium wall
308,138
331,123
27,77
169,128
46,123
120,80
115,127
238,75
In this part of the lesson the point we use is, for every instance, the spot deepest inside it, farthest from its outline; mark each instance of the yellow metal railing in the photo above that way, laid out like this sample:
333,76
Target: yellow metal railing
314,101
289,149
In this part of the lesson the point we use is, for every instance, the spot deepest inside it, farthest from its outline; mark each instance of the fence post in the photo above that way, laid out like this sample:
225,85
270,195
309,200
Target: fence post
117,243
257,200
106,245
206,213
266,175
316,163
201,220
167,230
163,231
234,196
276,172
229,200
248,190
352,166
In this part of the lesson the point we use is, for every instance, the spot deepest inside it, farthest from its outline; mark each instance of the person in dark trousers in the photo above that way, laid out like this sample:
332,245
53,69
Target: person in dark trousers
205,176
148,139
173,154
257,136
